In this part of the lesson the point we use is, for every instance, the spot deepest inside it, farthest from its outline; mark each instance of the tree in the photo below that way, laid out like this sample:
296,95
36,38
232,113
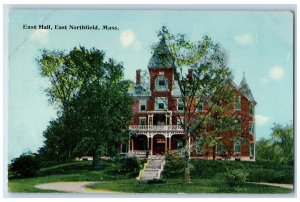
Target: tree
222,126
105,112
91,97
209,75
283,136
277,150
25,165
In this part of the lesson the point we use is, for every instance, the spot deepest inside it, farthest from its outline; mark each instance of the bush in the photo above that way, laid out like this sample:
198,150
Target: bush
235,177
26,165
175,165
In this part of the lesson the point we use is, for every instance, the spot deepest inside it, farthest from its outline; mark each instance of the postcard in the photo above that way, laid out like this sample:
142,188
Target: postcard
150,101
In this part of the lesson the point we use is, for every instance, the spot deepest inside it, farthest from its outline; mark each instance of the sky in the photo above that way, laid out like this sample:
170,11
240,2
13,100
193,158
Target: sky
257,43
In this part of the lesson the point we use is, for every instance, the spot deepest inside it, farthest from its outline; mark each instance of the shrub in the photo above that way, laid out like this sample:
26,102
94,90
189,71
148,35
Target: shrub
26,165
175,165
235,177
131,164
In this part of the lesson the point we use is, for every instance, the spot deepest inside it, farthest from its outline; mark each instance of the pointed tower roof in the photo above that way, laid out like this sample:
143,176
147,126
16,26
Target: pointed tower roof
161,57
244,88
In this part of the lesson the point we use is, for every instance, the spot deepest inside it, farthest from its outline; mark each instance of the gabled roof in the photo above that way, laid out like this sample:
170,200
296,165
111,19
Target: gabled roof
244,88
161,57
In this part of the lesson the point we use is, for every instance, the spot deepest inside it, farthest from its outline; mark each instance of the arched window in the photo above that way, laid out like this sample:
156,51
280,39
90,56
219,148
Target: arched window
161,83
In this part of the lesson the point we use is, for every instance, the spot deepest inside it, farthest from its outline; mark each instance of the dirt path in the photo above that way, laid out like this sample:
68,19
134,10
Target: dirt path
288,186
73,187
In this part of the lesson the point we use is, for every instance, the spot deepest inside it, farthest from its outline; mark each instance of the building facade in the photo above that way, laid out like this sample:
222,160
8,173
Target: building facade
155,127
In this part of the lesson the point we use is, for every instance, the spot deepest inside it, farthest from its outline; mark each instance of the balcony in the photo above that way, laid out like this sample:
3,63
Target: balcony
155,128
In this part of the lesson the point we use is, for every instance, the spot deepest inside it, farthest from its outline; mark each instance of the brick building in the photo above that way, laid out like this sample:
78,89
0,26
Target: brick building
155,126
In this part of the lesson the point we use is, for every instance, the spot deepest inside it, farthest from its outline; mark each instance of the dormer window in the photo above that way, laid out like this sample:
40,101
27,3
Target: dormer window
161,83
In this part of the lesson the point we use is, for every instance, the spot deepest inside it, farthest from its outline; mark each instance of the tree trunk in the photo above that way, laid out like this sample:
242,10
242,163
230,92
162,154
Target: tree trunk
96,159
187,174
214,152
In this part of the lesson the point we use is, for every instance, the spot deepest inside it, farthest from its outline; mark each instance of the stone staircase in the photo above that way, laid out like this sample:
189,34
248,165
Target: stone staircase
153,169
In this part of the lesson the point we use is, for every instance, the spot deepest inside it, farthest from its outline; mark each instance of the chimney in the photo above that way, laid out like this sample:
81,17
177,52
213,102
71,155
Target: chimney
138,77
190,75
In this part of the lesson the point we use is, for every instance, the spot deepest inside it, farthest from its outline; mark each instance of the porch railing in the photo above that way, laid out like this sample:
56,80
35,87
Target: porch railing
155,128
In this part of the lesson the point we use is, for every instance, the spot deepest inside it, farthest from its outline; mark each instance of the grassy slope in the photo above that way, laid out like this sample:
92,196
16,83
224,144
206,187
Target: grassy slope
79,171
177,186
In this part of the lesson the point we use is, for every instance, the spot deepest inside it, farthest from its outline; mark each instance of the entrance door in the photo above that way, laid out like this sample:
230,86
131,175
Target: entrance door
159,142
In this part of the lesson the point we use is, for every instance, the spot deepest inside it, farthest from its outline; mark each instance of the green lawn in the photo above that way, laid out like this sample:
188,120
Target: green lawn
177,186
110,179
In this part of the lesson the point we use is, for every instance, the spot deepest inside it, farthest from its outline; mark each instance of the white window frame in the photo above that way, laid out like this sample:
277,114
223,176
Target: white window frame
178,121
179,100
140,121
251,128
239,103
159,100
237,143
140,104
161,87
252,150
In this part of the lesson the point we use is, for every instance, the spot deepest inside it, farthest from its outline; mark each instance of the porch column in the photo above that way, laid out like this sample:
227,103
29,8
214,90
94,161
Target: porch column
132,146
166,144
121,149
129,145
151,146
170,139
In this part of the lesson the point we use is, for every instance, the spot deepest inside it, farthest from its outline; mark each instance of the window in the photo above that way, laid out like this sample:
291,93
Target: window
143,105
200,106
252,150
179,144
180,106
219,148
251,128
251,110
237,147
199,146
179,121
161,103
161,83
237,103
143,121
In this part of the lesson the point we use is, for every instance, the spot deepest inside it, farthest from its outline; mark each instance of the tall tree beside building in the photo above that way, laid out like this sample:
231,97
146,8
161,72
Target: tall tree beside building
221,126
200,72
90,95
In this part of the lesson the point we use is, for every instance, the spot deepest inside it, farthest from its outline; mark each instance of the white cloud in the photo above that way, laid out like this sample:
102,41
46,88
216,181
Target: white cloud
276,73
244,39
261,119
40,35
127,37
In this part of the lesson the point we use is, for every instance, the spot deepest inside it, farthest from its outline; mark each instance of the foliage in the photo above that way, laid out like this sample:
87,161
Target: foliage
26,165
210,74
221,126
235,177
175,165
94,107
279,149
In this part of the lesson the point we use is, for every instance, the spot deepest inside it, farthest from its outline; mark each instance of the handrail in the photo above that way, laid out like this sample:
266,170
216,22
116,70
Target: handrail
154,127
